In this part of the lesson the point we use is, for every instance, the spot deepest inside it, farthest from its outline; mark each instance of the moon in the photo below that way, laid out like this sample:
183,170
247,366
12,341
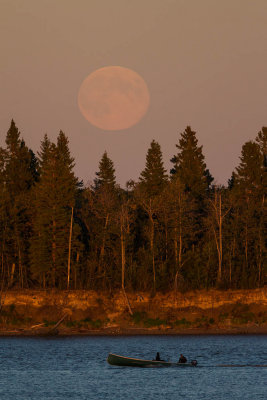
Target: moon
113,98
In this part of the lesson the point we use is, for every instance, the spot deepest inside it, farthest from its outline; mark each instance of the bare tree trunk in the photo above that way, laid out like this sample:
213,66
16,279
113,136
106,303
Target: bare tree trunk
175,248
12,274
166,242
218,216
54,254
123,224
220,236
246,243
122,253
260,260
259,271
4,285
20,268
2,264
180,234
127,301
230,268
76,269
102,251
176,286
152,251
217,206
71,220
261,247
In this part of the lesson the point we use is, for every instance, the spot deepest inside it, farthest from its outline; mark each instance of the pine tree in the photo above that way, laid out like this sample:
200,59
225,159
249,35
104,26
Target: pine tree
190,168
106,174
20,175
54,201
189,165
3,221
249,171
41,265
248,197
104,205
153,178
261,140
149,195
43,154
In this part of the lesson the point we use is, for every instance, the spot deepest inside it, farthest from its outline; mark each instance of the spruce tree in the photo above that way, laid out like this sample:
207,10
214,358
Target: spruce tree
190,168
106,175
149,196
261,140
249,171
189,165
41,247
248,198
153,178
3,219
43,154
54,200
20,171
105,204
20,175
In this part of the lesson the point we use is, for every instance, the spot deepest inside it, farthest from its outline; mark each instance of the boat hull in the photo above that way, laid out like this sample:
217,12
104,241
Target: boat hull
114,359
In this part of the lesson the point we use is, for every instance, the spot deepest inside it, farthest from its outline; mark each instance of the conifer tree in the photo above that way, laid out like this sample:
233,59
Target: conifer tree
20,175
148,195
43,154
190,168
248,197
153,178
54,200
249,171
189,165
106,174
3,219
19,172
105,203
261,140
41,247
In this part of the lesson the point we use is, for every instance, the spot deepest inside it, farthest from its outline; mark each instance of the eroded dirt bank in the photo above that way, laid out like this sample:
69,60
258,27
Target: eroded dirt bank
88,312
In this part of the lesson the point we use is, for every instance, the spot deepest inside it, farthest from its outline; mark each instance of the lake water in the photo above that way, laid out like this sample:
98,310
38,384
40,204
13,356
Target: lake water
76,368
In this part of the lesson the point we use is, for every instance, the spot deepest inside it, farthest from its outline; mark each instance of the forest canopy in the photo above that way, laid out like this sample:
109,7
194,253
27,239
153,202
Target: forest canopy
167,231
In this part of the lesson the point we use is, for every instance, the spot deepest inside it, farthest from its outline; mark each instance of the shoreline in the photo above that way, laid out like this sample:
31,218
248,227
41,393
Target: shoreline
112,332
30,313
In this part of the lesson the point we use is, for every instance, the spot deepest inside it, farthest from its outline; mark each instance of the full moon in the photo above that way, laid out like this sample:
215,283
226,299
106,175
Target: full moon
113,98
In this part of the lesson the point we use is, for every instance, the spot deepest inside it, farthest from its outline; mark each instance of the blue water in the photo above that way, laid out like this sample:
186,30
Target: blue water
76,368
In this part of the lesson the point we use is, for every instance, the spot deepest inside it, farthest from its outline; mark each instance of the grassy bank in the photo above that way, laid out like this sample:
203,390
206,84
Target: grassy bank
86,312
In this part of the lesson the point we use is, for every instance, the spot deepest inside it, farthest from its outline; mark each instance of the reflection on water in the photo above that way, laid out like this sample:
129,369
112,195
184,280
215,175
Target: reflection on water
229,367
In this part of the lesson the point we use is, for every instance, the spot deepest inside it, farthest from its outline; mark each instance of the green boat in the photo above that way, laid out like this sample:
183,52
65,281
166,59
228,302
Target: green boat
114,359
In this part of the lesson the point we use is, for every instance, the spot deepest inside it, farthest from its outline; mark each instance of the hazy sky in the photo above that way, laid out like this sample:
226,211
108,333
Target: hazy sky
204,62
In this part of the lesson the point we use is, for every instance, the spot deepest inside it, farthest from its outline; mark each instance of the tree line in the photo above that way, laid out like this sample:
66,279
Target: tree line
176,231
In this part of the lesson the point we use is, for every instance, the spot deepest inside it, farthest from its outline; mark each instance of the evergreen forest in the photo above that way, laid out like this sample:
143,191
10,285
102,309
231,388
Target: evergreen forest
170,230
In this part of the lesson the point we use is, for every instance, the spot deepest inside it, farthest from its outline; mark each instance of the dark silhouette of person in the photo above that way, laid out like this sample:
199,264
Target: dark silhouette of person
158,357
182,359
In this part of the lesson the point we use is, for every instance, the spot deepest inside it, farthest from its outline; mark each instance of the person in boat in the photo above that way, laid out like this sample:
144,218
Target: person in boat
182,359
158,357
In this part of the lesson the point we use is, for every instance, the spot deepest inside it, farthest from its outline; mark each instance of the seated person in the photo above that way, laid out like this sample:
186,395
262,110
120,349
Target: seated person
182,359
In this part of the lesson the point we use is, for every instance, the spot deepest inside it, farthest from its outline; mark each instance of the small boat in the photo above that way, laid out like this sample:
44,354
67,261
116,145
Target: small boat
121,361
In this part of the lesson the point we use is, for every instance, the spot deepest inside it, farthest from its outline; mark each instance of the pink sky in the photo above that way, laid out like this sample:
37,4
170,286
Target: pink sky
205,64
